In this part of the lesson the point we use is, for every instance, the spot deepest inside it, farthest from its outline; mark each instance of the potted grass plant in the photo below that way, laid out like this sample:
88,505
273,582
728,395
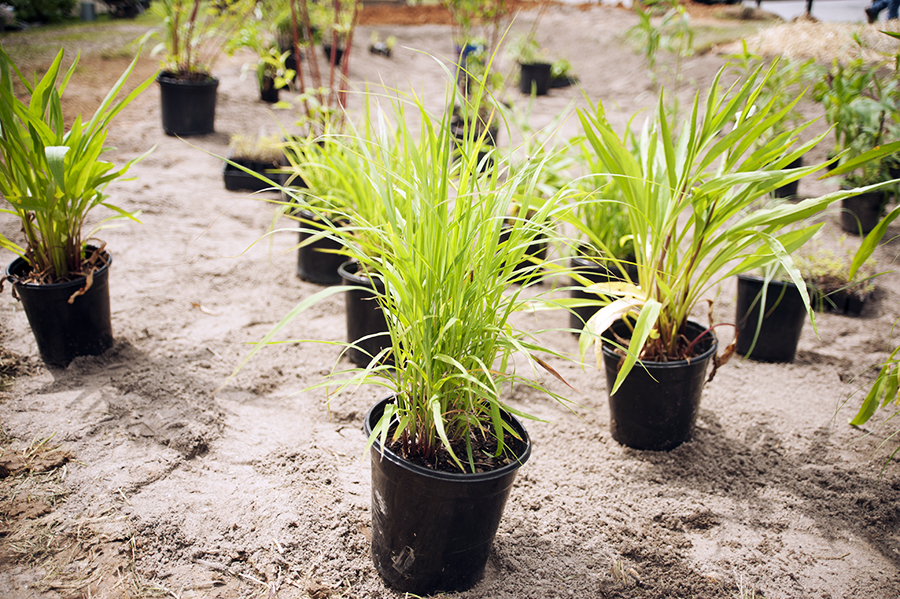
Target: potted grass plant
334,205
548,184
52,179
444,445
828,274
688,195
311,178
194,33
261,154
861,104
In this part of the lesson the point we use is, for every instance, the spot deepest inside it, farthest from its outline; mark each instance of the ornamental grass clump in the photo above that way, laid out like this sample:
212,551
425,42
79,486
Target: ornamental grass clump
52,178
447,250
448,301
689,195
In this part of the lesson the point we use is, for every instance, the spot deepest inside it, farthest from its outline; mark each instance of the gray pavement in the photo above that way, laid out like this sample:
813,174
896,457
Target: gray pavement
848,11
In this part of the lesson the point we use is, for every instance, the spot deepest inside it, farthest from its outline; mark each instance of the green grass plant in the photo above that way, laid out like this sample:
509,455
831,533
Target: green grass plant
437,240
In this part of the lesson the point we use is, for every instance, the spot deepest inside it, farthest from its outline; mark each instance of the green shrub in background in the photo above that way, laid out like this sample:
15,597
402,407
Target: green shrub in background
51,11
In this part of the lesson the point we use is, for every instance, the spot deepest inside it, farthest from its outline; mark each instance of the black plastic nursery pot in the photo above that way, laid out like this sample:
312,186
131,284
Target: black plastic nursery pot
458,130
534,77
61,329
431,530
530,272
267,91
657,404
316,261
236,179
782,322
380,48
188,107
562,81
790,190
366,324
840,301
862,212
596,273
338,54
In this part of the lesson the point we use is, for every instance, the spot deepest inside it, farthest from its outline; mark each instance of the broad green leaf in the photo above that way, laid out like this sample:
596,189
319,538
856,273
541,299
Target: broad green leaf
56,161
644,326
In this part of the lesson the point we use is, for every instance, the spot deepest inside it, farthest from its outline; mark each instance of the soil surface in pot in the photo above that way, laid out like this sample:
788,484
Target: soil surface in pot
180,486
484,449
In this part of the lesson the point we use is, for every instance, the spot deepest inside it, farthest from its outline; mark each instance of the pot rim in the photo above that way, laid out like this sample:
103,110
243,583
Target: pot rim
16,265
537,63
609,352
581,255
462,477
348,271
314,217
751,278
171,78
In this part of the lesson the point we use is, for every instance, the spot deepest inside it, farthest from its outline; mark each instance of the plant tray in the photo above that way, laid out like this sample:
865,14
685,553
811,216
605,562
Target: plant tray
840,302
559,82
238,180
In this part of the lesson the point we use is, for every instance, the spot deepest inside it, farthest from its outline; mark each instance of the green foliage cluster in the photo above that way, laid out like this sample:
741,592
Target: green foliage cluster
829,271
672,33
52,178
884,394
262,148
526,50
256,35
467,14
194,33
687,194
49,11
862,103
791,79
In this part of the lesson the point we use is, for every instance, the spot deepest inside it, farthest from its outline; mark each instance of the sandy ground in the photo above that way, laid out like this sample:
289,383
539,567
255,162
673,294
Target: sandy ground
175,489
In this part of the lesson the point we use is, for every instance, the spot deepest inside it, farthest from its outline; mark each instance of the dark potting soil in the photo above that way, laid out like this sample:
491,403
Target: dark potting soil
483,453
93,260
193,76
654,352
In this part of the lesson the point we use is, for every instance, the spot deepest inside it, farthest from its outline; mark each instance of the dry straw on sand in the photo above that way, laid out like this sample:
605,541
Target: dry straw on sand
823,42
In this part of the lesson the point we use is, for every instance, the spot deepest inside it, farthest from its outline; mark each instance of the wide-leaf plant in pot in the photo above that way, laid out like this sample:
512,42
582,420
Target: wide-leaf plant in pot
51,180
690,196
